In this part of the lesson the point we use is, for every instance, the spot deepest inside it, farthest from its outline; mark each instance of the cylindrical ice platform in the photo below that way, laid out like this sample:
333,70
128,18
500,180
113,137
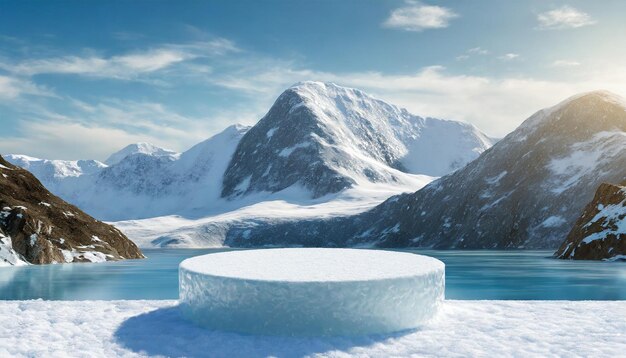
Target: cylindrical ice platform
311,291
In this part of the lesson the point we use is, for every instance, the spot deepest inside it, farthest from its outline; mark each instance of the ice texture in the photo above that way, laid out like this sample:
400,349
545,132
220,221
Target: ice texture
311,291
134,329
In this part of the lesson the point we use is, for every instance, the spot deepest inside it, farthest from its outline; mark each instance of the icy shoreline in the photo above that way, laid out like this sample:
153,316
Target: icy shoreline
463,328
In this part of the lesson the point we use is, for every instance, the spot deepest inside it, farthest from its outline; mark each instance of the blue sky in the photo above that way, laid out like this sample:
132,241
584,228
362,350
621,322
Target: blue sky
81,79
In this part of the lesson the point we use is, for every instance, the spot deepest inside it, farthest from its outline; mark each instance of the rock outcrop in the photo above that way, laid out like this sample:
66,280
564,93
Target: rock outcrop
39,228
600,232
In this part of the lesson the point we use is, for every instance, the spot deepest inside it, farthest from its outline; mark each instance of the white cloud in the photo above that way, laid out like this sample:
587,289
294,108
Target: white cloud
98,127
95,130
495,105
63,140
12,88
472,52
509,56
125,66
565,63
478,51
565,17
419,17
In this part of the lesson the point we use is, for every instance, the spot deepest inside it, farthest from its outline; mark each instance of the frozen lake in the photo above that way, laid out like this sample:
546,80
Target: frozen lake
470,275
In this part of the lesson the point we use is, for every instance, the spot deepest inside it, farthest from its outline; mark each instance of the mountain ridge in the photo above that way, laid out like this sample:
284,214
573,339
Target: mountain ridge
512,196
301,158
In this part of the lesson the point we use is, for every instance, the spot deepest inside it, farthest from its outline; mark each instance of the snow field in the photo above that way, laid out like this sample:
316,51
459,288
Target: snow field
461,329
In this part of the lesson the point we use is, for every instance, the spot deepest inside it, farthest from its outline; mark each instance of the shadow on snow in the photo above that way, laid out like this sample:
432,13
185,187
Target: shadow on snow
165,332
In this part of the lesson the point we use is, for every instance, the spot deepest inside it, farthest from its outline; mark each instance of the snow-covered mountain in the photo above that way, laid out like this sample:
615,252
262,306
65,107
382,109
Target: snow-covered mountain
315,141
326,138
143,183
524,192
53,172
141,148
600,232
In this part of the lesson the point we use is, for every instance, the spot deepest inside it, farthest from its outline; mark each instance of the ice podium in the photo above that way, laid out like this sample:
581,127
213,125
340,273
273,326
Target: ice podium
311,291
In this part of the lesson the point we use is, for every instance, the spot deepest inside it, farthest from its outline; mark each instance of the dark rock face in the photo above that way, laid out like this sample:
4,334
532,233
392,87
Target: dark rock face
600,232
524,192
289,156
44,229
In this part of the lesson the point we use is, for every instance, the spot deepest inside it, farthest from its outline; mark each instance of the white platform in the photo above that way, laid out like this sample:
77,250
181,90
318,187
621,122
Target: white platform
311,291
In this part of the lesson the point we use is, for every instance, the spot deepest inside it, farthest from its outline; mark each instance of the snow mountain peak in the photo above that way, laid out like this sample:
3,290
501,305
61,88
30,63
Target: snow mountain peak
325,138
138,148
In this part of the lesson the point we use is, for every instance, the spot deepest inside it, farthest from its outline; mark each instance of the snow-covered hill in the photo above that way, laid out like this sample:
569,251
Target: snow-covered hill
327,138
524,192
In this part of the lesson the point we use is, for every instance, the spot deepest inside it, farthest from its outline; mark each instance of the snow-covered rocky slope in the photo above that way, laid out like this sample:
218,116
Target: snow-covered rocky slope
524,192
147,181
56,175
326,138
600,232
38,227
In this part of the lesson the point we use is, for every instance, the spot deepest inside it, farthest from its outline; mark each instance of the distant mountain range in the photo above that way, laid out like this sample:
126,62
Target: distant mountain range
312,171
318,139
524,192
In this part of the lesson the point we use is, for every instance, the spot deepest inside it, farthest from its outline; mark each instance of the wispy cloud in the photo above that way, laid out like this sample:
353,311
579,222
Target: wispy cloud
565,17
99,126
478,51
12,88
472,52
418,17
127,66
509,56
84,130
495,104
565,63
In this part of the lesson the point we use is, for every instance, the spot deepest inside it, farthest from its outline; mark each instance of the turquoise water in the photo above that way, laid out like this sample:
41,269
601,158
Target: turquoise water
470,275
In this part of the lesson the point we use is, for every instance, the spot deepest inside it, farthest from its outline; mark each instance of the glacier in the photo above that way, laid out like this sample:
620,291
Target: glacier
311,291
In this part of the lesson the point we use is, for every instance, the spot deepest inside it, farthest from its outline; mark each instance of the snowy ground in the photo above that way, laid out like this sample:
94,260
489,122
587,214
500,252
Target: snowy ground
462,328
208,230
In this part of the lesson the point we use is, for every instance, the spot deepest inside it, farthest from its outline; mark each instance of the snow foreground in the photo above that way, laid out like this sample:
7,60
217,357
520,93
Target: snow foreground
462,328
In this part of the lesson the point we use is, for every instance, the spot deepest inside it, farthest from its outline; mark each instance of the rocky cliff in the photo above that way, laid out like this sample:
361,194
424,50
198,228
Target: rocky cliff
600,232
40,228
